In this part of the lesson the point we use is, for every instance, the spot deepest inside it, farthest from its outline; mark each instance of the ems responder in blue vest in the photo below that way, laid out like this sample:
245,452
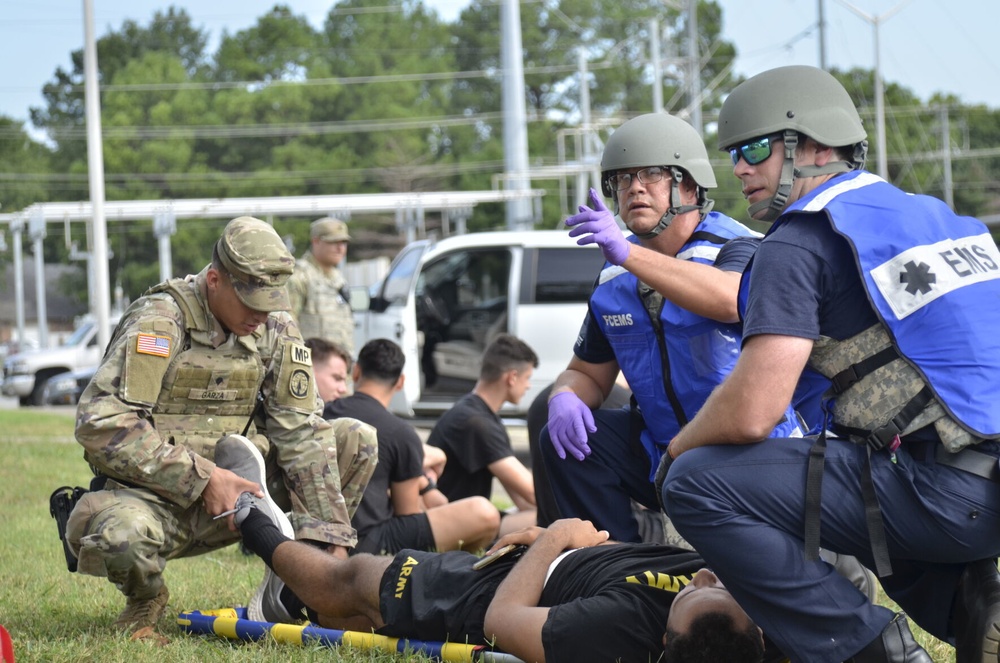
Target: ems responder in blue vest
674,335
896,300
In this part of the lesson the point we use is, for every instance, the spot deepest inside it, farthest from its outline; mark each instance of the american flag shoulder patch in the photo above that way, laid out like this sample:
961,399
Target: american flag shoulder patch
150,344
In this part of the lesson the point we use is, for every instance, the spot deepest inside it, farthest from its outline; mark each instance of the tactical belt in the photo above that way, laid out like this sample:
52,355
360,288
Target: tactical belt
967,460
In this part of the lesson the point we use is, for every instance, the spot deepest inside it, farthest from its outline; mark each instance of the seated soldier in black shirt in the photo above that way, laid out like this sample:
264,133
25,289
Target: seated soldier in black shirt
474,438
392,516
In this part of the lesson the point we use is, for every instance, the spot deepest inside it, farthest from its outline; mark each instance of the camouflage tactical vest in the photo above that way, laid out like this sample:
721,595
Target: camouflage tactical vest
873,385
206,392
327,310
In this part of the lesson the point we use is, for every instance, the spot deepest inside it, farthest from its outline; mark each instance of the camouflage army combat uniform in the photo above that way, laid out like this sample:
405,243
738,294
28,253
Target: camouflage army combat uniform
171,384
320,298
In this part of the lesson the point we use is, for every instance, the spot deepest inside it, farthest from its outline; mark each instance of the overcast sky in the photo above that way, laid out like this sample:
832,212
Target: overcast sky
927,46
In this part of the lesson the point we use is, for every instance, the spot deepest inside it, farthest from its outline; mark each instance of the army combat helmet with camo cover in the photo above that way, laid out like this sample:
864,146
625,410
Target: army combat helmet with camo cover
258,263
659,139
789,101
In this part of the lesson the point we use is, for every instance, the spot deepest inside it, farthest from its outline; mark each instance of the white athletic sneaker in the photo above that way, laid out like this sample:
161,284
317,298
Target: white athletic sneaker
238,455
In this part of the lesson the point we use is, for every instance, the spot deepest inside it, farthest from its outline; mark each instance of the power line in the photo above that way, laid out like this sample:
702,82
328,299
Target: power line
410,170
278,130
336,80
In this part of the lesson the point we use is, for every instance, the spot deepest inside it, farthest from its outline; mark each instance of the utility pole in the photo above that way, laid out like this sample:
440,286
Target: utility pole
583,177
100,306
656,60
883,161
694,66
949,193
16,230
36,231
821,26
164,226
515,124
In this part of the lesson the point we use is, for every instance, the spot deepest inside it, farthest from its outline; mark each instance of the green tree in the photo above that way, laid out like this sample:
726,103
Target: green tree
139,162
63,116
614,39
366,42
975,134
390,98
26,162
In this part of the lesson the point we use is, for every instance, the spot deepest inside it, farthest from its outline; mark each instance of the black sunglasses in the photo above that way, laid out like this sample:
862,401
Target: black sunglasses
755,151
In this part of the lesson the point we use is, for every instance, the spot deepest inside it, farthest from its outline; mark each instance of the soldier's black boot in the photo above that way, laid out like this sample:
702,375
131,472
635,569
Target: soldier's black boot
976,614
894,645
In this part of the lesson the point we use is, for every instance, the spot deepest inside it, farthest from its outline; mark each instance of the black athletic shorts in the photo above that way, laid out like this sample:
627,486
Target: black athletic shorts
438,596
395,534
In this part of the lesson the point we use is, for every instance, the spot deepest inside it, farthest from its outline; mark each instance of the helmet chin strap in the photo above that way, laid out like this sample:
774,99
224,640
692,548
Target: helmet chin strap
775,205
704,204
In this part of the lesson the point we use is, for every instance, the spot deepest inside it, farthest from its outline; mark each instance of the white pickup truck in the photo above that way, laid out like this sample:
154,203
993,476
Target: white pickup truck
444,301
25,373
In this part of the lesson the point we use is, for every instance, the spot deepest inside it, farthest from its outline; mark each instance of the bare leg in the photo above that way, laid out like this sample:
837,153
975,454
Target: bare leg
470,524
336,589
518,520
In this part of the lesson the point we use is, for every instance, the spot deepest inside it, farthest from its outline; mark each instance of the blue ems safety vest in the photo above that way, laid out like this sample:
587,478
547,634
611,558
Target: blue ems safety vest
671,371
934,279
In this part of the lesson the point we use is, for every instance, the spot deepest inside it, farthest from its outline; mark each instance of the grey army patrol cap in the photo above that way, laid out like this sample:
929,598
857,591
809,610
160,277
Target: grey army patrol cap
258,262
329,229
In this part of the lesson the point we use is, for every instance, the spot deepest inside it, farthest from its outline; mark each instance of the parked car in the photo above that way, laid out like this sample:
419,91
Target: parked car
13,347
25,373
444,301
65,388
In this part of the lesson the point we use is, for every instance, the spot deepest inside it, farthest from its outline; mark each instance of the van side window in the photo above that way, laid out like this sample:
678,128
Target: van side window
563,275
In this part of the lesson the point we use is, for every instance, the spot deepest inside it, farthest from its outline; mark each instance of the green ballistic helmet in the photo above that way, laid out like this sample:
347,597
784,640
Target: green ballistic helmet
789,101
798,98
659,139
656,139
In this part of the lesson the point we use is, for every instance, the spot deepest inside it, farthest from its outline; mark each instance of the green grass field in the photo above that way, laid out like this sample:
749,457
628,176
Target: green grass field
55,616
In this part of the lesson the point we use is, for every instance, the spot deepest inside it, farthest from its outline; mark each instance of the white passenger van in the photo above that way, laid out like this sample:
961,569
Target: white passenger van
444,301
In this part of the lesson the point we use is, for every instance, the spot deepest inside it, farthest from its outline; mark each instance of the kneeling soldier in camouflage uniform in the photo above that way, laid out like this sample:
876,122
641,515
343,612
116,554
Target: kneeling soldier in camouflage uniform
184,368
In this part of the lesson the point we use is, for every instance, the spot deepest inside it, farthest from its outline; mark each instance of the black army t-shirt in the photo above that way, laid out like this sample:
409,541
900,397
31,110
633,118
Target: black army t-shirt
472,436
610,603
400,456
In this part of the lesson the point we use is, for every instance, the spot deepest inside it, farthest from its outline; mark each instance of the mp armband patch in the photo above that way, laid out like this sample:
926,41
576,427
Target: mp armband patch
151,344
300,354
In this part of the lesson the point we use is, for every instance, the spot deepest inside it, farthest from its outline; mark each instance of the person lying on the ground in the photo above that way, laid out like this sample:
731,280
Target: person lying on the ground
563,594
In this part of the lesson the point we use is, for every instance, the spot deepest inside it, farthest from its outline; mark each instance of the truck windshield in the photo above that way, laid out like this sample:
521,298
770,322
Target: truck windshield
79,335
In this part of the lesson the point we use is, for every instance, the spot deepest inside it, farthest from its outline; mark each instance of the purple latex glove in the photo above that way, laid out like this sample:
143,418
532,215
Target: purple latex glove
599,227
569,422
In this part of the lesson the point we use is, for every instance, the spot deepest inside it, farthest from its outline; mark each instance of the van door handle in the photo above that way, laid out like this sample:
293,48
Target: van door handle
399,330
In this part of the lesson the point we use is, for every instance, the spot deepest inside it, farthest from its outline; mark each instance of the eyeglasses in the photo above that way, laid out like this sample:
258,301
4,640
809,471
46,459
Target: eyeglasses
755,151
622,181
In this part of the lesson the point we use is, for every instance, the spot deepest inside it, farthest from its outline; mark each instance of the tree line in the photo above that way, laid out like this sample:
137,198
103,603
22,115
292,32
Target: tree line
388,97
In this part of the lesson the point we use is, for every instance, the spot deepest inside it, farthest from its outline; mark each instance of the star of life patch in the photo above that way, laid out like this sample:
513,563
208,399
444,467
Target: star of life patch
150,344
916,277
